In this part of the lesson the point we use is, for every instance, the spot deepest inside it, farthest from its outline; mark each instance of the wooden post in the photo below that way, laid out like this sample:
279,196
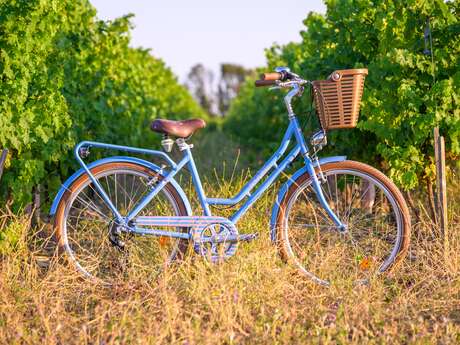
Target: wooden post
441,185
2,161
36,205
436,162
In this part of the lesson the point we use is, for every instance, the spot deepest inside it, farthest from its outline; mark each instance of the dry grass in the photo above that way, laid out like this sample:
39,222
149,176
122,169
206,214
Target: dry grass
253,298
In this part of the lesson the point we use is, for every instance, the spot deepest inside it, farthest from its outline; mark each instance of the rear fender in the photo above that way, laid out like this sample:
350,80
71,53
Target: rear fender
117,159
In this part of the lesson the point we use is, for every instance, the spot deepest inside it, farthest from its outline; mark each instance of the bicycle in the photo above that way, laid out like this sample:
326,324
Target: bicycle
332,216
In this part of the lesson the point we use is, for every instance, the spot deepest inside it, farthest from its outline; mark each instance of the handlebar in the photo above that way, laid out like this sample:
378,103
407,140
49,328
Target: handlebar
271,76
282,79
282,85
260,83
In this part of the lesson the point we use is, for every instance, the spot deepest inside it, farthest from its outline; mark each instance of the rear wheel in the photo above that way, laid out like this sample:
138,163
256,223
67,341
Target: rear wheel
366,201
86,229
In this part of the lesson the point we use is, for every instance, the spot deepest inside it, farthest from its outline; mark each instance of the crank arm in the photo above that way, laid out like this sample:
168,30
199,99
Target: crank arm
228,239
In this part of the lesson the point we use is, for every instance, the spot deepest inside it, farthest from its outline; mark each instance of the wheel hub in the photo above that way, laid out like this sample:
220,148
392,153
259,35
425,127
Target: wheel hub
115,231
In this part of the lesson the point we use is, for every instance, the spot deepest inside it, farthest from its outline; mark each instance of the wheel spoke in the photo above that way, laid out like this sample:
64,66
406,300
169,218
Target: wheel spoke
360,200
89,228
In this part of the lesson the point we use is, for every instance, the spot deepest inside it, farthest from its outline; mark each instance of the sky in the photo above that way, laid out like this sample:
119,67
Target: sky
184,33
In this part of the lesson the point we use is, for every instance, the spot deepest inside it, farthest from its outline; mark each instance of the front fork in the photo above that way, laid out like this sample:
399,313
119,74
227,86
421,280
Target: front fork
311,171
320,195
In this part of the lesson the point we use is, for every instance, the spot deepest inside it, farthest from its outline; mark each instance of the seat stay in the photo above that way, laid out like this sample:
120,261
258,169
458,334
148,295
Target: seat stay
146,199
84,146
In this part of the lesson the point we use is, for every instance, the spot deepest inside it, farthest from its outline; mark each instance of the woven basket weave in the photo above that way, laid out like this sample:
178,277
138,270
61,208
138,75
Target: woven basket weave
338,98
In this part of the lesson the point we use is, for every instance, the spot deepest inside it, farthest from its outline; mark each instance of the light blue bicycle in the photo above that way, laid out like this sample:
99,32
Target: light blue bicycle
121,216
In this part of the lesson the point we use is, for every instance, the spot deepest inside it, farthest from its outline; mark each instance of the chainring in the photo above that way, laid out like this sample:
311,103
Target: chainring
209,241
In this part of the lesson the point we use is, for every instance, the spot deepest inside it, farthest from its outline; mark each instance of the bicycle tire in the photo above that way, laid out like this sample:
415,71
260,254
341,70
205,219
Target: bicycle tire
100,172
282,220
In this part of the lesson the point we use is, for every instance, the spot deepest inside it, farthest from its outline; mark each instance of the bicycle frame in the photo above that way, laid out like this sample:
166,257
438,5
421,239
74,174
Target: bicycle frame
293,131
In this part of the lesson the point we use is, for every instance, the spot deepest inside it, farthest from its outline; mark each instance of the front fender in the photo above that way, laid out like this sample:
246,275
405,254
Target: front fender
116,159
282,192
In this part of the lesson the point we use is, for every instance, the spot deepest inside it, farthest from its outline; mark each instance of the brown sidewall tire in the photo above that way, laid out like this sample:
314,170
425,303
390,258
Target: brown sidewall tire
59,216
357,166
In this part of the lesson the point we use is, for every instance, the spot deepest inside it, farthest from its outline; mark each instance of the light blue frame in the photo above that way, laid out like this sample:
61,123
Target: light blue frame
293,131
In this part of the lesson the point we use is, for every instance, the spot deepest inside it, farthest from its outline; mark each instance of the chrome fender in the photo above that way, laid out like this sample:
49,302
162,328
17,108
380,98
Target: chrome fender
282,192
116,159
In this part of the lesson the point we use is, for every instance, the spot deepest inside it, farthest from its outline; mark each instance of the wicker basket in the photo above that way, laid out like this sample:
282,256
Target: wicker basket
337,99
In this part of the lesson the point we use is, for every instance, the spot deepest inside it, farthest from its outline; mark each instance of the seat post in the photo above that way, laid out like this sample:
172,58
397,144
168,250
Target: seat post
167,143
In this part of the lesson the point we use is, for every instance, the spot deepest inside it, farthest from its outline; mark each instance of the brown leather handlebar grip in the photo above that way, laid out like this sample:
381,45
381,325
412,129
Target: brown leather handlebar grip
260,83
271,76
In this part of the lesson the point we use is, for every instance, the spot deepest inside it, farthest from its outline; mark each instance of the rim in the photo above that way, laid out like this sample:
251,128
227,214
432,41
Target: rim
387,262
108,217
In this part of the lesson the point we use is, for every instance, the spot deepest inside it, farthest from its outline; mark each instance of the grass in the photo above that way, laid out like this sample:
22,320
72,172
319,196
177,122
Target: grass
253,298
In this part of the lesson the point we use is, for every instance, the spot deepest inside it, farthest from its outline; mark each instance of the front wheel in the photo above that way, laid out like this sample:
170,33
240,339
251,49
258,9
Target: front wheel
372,207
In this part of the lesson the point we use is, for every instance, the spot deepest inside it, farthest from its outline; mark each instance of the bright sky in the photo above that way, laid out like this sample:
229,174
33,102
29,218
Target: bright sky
186,32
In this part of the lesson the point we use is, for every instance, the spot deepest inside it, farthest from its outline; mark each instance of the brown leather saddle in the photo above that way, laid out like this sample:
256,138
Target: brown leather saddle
181,129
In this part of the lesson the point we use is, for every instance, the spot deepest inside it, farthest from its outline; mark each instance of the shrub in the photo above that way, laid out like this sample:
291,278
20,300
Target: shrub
67,76
401,104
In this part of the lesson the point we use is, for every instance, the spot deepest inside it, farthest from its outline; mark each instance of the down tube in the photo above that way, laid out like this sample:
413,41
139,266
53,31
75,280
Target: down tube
269,164
263,187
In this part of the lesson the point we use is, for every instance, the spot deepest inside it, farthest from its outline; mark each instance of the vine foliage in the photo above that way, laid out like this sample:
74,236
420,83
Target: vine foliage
401,103
67,76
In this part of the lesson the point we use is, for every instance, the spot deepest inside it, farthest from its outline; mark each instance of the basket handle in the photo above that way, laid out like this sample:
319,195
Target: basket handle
335,76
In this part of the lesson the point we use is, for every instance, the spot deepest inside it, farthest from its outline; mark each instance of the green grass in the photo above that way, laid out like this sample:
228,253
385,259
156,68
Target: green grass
253,298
